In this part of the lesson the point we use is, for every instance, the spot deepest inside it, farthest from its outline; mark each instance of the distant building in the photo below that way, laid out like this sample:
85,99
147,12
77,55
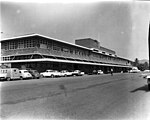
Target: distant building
88,42
41,53
95,45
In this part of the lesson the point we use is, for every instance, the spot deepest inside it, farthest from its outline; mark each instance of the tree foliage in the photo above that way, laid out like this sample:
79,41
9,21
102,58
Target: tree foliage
141,66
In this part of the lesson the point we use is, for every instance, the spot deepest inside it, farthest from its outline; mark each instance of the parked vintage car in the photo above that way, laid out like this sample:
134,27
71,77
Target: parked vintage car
100,72
77,73
94,72
34,73
65,73
50,73
24,74
97,72
134,70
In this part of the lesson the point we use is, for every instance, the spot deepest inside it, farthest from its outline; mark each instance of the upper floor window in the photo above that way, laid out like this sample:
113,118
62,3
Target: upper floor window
5,46
49,45
20,44
56,47
29,43
12,45
9,45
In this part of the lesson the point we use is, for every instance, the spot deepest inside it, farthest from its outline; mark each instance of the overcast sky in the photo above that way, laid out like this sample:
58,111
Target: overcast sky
120,26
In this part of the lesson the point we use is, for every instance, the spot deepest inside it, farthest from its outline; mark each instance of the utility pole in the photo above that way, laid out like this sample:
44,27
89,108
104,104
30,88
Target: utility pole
0,48
149,45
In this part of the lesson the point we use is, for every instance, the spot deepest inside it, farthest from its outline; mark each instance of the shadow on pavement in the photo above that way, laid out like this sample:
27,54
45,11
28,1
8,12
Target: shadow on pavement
143,88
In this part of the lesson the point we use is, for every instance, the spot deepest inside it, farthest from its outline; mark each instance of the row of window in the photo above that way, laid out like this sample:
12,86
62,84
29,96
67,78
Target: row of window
11,45
21,44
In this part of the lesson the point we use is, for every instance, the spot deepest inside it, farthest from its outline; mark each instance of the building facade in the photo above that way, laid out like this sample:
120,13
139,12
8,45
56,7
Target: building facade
88,42
95,45
41,53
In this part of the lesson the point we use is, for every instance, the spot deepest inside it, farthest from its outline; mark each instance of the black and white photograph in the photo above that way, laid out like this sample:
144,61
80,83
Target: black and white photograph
74,60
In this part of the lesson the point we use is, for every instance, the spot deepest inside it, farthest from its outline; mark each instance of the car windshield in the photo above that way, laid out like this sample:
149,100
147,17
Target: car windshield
25,71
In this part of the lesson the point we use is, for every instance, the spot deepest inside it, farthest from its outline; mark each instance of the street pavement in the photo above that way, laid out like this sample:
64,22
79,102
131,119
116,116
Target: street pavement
123,96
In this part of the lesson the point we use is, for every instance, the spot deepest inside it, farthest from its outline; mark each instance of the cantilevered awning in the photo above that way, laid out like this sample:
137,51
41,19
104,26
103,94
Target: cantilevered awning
63,61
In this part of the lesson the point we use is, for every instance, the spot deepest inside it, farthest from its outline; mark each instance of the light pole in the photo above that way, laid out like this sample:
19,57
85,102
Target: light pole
0,48
149,45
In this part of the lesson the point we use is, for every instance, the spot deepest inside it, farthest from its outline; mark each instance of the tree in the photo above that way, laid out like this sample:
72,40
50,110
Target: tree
136,62
146,66
140,66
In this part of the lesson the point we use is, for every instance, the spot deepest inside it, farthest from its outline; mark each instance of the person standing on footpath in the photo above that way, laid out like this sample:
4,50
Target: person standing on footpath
111,71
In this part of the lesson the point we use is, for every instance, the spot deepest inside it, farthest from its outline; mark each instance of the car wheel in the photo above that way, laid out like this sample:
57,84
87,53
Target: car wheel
21,77
65,75
52,76
8,79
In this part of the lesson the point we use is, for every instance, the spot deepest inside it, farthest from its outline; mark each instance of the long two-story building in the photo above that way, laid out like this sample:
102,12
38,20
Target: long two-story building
41,53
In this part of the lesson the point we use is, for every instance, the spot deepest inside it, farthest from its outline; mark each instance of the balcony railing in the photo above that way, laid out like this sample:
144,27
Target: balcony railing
18,51
51,52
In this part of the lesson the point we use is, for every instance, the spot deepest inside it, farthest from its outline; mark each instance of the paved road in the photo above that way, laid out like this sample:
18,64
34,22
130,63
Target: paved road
122,96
